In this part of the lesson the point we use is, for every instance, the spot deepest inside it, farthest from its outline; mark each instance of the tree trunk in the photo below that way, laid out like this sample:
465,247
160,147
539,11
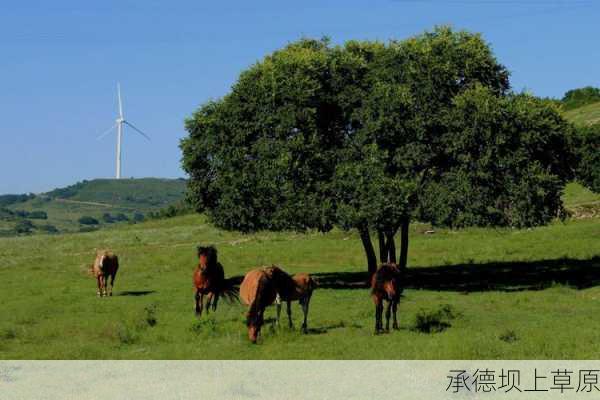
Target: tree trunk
383,249
391,247
404,243
365,237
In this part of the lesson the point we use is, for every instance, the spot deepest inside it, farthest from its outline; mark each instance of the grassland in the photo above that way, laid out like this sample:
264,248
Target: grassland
586,115
512,294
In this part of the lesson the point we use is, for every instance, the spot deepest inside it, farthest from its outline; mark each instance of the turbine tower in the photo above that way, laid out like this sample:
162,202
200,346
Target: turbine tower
119,124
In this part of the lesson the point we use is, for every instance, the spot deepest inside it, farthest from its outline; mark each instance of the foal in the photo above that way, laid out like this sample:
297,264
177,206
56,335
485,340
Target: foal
105,266
291,288
209,280
386,285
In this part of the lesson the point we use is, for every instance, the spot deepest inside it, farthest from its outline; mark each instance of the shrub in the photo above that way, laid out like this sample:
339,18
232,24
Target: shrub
48,228
38,215
24,227
87,220
508,336
435,321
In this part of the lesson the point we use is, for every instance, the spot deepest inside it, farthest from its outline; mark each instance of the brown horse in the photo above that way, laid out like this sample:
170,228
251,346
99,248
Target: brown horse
209,280
105,265
386,285
263,286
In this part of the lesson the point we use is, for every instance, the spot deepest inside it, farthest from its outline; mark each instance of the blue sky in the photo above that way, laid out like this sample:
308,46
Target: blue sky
60,62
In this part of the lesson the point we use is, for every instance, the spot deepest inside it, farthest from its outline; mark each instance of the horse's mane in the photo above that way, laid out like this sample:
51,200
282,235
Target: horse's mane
211,255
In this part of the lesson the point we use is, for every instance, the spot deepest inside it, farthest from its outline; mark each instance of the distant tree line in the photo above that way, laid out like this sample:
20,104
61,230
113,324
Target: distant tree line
580,97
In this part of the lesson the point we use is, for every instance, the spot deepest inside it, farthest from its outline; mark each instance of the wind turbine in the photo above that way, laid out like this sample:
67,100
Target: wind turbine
119,124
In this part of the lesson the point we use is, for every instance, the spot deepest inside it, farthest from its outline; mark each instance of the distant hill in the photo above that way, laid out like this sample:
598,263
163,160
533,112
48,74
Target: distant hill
585,115
88,205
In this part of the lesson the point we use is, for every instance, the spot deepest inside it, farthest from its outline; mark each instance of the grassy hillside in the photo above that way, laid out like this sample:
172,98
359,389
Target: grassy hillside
508,294
586,115
123,200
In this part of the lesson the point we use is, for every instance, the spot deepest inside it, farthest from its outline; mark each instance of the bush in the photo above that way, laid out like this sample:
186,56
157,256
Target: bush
48,228
120,217
588,172
508,336
38,215
138,217
24,227
107,218
87,220
435,321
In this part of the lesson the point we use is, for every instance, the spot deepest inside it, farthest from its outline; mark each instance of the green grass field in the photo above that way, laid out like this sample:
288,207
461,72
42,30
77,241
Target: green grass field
586,115
513,294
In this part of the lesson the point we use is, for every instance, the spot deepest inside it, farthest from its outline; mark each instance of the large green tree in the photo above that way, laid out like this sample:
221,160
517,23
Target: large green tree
370,136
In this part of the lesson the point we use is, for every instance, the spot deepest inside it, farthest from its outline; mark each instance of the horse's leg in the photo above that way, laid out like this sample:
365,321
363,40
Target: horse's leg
99,282
378,314
209,299
289,313
394,310
278,307
198,303
104,280
112,282
388,312
215,301
305,302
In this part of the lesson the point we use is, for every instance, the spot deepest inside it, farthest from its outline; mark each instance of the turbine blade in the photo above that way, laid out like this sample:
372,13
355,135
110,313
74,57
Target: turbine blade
136,129
120,103
106,132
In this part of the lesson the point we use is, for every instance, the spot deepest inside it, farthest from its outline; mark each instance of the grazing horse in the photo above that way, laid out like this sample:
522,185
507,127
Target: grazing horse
105,265
386,285
263,286
209,280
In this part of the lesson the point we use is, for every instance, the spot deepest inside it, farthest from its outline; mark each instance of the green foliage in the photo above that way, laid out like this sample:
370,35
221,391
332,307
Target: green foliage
588,151
369,135
32,214
580,97
24,227
87,220
505,162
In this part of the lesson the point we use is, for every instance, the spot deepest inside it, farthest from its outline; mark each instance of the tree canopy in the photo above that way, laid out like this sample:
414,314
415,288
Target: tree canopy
370,136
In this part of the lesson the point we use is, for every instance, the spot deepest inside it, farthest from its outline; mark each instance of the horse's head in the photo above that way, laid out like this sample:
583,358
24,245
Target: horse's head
207,255
254,322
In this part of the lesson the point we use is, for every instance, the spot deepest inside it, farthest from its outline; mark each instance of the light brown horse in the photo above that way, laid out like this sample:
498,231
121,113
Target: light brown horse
386,286
105,265
262,287
209,281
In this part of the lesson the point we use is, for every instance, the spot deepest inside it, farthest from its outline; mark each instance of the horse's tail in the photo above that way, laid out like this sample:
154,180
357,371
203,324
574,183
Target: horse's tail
230,290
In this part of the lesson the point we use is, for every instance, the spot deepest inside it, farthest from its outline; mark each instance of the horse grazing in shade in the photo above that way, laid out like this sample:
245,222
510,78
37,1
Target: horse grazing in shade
262,287
386,285
105,265
209,280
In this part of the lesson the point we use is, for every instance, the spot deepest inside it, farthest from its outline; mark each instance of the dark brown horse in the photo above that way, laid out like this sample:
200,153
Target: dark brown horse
105,266
209,280
261,287
386,286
